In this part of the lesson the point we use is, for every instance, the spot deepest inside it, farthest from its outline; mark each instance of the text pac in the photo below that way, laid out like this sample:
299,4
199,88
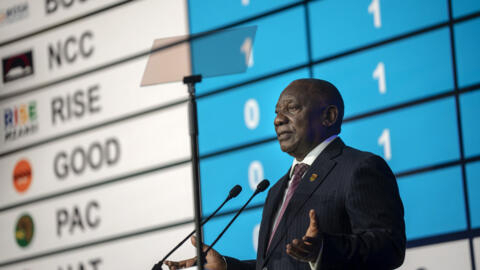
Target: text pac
78,218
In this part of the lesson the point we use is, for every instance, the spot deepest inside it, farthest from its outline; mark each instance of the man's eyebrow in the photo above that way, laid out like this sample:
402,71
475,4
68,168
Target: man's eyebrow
289,98
283,102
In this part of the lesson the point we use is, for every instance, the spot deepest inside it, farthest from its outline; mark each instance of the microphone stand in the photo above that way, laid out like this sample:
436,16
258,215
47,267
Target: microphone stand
190,81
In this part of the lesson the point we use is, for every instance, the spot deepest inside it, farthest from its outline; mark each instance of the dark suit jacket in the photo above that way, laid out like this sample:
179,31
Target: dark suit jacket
359,211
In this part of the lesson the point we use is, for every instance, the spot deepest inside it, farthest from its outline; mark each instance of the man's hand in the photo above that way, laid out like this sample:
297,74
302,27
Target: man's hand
307,249
214,261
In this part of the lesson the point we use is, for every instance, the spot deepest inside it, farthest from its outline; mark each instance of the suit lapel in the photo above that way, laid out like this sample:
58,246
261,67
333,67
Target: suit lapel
312,180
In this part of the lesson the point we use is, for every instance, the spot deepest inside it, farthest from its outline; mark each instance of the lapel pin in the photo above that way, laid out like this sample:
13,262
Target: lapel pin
313,177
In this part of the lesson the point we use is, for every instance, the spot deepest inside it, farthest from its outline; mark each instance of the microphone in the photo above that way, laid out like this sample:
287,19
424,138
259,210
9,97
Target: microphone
232,194
262,186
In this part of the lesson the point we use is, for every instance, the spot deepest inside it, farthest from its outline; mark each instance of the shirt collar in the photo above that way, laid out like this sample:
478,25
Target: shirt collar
313,154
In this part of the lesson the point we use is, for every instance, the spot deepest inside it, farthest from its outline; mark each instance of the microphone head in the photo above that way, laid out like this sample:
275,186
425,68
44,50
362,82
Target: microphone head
235,191
262,185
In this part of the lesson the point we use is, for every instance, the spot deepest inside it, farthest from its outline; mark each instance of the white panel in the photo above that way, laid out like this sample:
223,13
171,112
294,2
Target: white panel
450,255
111,210
144,142
129,152
122,32
44,13
140,252
115,92
476,250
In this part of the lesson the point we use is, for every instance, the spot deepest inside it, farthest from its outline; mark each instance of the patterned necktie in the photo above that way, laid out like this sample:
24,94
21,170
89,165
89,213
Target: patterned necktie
298,172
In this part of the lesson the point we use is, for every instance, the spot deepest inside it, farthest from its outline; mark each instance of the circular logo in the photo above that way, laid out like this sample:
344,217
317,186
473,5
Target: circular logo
24,230
22,175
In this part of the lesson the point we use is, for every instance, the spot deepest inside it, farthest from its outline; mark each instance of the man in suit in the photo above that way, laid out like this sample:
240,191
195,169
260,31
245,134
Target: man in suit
336,207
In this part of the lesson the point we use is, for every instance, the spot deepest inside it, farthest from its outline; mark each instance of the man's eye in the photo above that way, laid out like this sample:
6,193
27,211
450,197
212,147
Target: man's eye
293,107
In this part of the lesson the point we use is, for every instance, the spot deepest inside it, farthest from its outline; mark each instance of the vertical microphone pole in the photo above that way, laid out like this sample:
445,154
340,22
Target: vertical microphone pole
190,81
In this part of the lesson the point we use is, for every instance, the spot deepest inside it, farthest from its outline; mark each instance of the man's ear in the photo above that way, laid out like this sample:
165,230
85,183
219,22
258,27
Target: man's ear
330,116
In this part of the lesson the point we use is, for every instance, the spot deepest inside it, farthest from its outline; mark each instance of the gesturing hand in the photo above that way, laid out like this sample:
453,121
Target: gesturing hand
214,261
307,249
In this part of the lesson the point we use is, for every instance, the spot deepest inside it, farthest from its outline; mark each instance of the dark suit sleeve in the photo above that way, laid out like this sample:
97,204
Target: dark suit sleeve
234,264
375,211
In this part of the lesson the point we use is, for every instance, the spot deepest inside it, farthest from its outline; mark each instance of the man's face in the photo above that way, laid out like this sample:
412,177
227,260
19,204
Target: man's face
298,121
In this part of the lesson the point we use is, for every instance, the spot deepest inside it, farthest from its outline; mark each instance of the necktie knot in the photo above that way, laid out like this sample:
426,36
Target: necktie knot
299,170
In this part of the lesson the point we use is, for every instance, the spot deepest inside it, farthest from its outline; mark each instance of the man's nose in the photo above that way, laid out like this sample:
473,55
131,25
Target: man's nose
280,119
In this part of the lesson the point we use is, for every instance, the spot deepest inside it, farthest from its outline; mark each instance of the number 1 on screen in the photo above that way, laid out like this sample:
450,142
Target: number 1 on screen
384,140
248,51
374,8
379,74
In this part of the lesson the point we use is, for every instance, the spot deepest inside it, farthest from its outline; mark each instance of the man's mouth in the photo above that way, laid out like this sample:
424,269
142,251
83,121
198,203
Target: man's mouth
284,135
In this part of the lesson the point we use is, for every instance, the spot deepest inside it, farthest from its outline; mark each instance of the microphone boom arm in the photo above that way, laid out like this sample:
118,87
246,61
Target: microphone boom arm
261,187
233,193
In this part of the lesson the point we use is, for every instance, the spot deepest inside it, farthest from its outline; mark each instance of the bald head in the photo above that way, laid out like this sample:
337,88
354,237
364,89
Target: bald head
308,111
321,93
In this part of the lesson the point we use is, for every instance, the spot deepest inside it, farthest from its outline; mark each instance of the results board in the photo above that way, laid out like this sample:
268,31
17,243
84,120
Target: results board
409,75
95,170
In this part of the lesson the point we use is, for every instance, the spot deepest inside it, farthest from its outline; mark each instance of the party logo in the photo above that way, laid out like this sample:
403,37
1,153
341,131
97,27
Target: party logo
22,176
24,230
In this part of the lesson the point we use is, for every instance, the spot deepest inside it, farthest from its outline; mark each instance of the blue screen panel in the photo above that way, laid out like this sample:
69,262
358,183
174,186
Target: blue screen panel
473,184
242,115
339,25
470,110
208,15
434,202
465,7
280,43
398,72
245,167
240,240
218,54
467,44
410,138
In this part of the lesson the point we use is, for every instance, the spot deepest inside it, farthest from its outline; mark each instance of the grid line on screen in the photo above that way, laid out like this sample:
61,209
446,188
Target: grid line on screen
460,134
